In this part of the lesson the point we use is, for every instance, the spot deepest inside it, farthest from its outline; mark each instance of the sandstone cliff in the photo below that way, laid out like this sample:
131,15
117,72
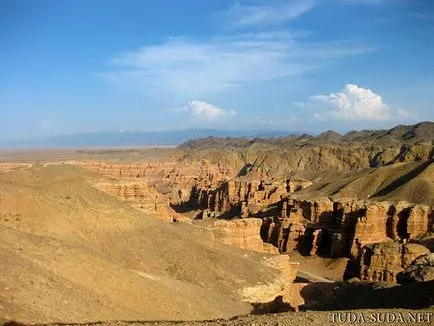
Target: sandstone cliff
343,228
242,233
141,196
174,179
385,261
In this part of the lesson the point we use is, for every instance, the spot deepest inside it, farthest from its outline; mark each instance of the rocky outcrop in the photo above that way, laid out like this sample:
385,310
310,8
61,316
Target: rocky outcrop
245,195
342,228
173,179
243,233
288,268
370,224
272,297
385,261
420,220
141,196
420,270
240,196
130,191
286,233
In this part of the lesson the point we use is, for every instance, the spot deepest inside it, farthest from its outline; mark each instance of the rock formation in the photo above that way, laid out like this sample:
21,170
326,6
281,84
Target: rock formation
322,226
288,268
421,270
342,228
141,196
243,233
264,297
385,261
173,179
287,232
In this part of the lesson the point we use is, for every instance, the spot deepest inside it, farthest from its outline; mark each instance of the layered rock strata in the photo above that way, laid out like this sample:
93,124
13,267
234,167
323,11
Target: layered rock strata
142,197
343,228
243,233
385,261
173,179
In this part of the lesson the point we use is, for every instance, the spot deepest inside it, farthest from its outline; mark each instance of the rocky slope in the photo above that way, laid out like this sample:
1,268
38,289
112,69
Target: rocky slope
72,253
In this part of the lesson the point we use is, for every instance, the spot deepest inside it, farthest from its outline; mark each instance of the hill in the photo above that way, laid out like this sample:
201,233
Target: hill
71,253
328,151
412,182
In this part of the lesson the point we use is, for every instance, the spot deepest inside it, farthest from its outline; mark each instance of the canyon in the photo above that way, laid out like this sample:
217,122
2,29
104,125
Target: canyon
254,197
258,221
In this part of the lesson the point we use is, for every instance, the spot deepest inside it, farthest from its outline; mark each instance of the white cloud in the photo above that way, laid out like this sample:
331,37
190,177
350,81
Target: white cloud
269,14
191,69
204,111
353,103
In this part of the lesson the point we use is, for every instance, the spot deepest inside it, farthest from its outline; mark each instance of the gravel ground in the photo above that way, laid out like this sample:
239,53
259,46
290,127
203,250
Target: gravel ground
388,317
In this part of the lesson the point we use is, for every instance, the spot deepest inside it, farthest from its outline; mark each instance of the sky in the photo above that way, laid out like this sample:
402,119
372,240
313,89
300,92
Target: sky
71,66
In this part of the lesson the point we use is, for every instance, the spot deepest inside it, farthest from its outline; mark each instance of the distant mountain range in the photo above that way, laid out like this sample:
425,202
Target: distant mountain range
410,134
423,131
136,138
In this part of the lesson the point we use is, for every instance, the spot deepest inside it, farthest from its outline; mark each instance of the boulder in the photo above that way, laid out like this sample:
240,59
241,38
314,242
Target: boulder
420,270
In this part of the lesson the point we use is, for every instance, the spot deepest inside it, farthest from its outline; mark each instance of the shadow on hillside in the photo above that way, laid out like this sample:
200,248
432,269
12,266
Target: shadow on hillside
363,295
428,243
403,180
275,306
182,208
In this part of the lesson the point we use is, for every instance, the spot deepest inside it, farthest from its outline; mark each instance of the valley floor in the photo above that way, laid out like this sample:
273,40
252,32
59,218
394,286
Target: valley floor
390,317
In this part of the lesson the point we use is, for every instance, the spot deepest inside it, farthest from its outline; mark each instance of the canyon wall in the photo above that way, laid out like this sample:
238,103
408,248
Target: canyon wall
242,233
343,228
244,196
174,179
385,261
139,195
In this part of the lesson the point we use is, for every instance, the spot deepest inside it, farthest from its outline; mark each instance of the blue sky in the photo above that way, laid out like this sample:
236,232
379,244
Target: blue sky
310,65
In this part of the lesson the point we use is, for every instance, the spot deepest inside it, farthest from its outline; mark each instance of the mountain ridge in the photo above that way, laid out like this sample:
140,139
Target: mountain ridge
422,131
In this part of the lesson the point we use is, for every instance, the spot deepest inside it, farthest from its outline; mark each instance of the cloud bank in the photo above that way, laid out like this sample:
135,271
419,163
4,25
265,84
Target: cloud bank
190,68
353,103
202,111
